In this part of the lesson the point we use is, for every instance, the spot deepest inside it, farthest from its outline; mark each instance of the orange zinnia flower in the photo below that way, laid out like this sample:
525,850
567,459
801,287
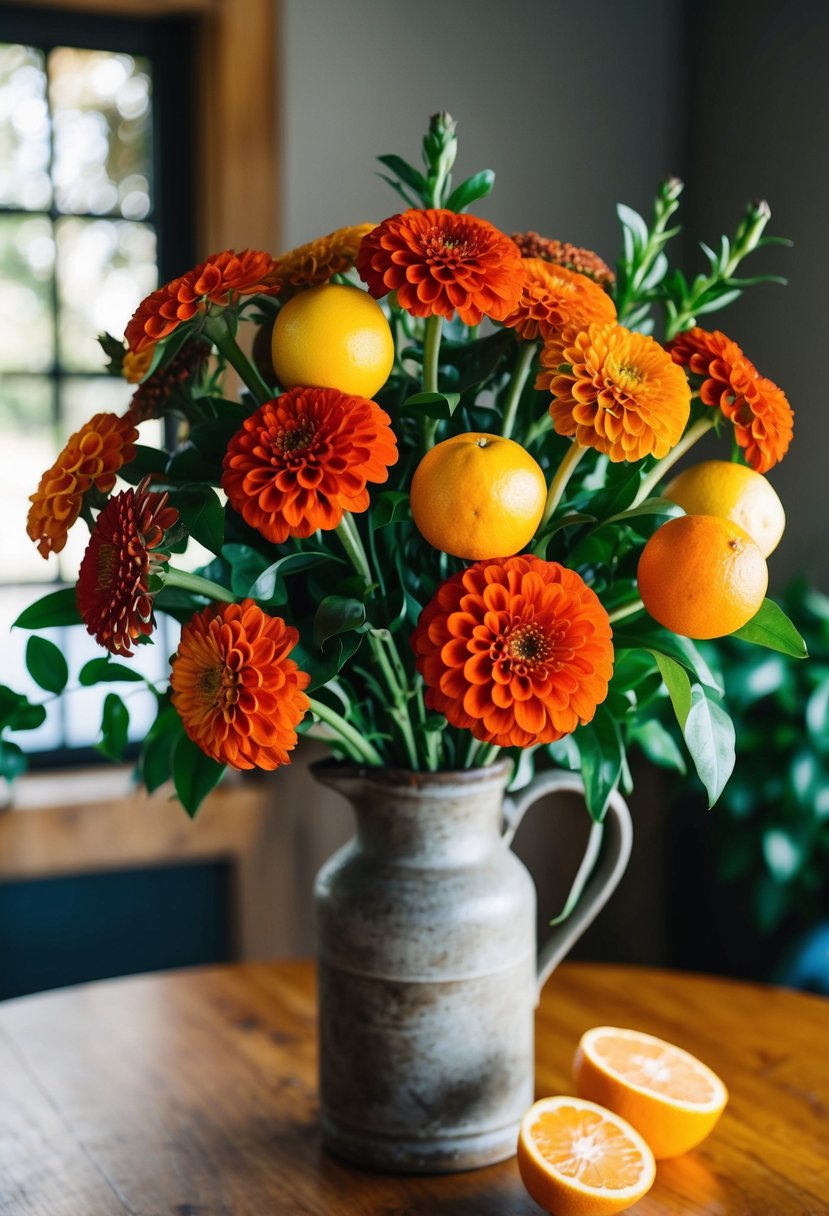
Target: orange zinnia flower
319,260
440,263
303,459
553,298
562,253
92,457
239,696
517,650
212,284
761,414
616,391
113,590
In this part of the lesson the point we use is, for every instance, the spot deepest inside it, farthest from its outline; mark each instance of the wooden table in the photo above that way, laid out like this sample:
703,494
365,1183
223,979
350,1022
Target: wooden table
193,1094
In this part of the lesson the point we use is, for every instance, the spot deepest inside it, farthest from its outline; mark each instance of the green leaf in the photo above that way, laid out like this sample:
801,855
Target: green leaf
784,854
475,187
324,666
202,515
600,747
46,664
246,565
659,745
651,506
433,405
633,221
27,716
676,680
771,627
392,507
210,439
103,671
337,614
146,460
710,738
194,774
114,726
674,645
156,760
12,760
269,587
57,608
406,172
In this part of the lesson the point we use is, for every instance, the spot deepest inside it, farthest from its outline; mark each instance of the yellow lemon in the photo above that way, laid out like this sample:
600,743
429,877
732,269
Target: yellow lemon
333,336
735,492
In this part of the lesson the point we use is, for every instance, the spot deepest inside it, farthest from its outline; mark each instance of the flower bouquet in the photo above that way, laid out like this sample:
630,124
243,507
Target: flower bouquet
438,536
433,515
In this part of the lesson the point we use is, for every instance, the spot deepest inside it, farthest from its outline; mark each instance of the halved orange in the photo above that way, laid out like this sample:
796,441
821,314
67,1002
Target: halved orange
668,1095
578,1159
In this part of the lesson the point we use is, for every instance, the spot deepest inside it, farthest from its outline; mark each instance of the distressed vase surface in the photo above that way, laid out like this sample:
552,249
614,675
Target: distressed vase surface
427,965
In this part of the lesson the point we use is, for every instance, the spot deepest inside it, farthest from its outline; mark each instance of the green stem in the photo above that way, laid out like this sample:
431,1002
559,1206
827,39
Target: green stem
432,740
431,352
559,483
519,378
349,734
652,479
197,584
219,333
353,545
400,712
619,614
488,754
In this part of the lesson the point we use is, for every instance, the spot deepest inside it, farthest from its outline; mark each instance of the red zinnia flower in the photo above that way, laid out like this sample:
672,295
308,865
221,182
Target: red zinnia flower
92,457
517,650
212,284
553,298
303,459
762,417
615,391
239,696
440,263
562,253
113,590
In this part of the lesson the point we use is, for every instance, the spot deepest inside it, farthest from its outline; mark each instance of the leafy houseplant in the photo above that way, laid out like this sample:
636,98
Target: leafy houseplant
766,852
302,620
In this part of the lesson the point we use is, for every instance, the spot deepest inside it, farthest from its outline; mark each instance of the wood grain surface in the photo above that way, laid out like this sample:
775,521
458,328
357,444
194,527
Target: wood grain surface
193,1094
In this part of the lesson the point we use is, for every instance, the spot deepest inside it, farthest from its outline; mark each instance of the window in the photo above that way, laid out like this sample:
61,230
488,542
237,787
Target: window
95,207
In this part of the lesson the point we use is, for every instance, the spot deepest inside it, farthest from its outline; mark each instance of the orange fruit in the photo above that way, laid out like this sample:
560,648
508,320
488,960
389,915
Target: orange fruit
576,1157
669,1096
702,576
736,492
478,495
333,336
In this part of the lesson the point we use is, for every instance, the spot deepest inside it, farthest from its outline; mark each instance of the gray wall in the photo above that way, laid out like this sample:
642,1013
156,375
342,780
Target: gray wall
577,105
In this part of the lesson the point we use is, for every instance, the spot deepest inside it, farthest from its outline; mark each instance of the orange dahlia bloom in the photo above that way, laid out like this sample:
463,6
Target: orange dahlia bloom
239,696
553,298
304,458
440,263
113,589
92,457
616,391
562,253
319,260
517,650
213,284
762,417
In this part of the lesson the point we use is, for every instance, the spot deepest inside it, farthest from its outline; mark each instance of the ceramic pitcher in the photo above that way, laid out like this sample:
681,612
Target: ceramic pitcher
427,964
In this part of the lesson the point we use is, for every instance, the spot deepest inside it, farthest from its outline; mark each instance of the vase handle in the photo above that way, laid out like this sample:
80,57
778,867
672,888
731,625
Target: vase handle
603,864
